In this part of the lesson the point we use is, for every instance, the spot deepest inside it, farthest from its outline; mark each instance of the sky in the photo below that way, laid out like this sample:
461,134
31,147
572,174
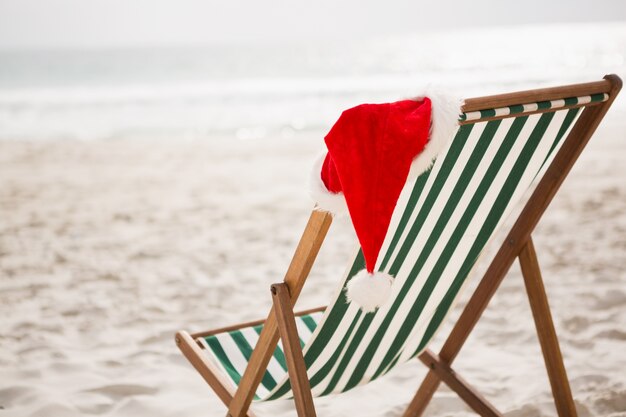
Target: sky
111,23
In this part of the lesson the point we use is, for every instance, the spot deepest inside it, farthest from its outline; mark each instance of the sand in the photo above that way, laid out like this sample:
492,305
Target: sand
107,248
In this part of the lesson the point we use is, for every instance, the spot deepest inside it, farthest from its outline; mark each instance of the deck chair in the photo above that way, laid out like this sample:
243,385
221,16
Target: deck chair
509,157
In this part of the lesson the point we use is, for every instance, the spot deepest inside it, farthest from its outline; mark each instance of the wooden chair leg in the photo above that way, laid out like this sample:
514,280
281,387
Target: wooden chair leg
464,390
293,352
545,331
296,275
211,374
422,397
466,323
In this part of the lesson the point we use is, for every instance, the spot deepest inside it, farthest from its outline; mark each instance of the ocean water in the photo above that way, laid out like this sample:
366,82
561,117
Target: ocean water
245,92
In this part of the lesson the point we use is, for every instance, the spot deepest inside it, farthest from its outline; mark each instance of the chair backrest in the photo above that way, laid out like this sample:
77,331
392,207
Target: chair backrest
443,222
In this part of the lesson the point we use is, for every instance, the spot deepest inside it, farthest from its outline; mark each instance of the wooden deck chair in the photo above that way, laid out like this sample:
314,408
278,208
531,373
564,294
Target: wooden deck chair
505,145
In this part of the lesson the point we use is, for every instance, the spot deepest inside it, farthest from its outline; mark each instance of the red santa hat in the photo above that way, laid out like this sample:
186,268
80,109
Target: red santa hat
372,150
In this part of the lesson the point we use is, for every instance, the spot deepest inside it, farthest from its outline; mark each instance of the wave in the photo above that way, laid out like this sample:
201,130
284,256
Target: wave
248,94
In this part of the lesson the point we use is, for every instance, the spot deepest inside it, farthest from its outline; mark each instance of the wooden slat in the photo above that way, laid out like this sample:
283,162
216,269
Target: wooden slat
298,270
457,384
520,232
250,324
206,369
545,331
293,352
540,94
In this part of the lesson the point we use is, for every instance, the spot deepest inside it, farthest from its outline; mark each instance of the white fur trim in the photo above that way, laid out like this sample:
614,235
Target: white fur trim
369,291
443,126
334,203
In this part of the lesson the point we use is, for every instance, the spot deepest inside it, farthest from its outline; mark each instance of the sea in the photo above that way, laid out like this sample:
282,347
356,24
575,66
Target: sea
254,91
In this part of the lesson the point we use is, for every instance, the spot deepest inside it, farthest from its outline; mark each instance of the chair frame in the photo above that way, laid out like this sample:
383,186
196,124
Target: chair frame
518,244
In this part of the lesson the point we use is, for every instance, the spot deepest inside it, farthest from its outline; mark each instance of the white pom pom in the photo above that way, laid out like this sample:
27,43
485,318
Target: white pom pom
334,203
369,291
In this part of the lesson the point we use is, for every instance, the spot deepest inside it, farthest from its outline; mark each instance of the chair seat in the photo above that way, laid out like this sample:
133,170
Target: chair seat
231,351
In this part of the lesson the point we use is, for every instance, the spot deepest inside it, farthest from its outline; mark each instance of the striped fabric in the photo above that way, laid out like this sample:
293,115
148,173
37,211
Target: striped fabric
532,107
442,224
231,352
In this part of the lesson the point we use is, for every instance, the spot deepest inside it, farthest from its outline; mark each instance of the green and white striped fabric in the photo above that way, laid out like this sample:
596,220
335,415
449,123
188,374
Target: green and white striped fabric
231,352
441,225
532,107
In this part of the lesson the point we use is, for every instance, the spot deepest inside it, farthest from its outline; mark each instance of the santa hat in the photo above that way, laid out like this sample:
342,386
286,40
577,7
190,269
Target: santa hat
372,150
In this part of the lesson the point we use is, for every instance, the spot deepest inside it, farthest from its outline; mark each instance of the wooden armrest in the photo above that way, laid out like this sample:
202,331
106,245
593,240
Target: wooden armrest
249,324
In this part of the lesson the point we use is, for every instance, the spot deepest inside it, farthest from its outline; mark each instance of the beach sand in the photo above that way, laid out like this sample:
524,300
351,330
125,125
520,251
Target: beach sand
107,248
